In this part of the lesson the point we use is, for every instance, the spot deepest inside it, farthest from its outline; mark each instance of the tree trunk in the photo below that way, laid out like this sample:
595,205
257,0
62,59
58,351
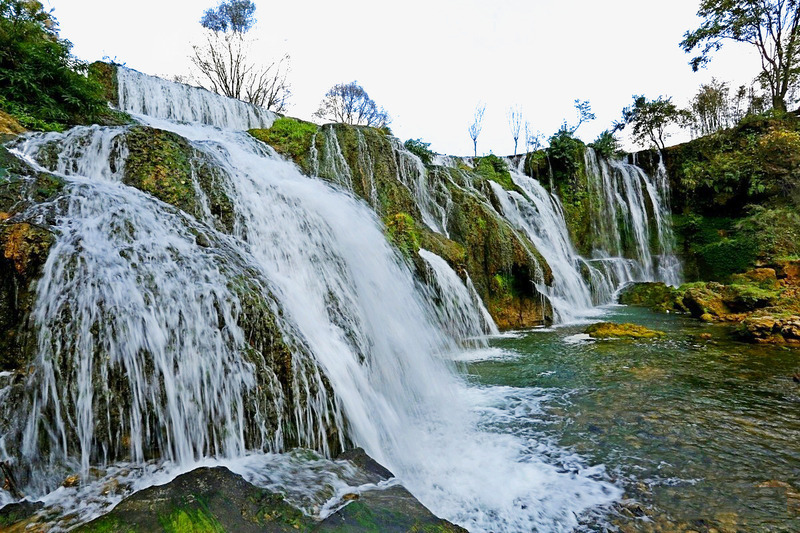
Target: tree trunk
778,103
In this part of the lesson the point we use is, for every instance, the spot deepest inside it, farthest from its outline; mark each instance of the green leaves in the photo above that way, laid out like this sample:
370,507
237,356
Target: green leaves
41,84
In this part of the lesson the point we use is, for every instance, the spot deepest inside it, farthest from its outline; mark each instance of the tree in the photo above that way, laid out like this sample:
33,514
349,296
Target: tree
515,124
41,84
650,119
711,108
584,109
349,103
475,128
533,140
769,25
224,60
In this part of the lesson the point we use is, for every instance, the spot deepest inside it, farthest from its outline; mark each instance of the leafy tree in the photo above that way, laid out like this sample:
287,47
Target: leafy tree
236,15
650,119
565,151
41,84
769,25
475,128
711,108
349,103
224,63
515,124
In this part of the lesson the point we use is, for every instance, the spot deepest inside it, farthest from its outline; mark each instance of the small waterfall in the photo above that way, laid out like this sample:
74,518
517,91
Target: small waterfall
540,216
144,348
459,308
158,98
629,208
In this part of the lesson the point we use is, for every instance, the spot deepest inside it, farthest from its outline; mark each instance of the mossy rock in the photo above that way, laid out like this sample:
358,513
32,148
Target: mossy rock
106,75
610,330
290,137
9,125
165,165
657,296
204,500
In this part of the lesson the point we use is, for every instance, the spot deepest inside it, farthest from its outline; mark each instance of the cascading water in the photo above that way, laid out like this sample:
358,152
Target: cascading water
631,207
459,307
143,350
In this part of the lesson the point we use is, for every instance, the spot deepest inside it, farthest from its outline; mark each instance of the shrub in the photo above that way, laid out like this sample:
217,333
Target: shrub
420,149
41,84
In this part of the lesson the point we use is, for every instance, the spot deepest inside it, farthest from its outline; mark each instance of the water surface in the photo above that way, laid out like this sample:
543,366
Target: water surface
700,433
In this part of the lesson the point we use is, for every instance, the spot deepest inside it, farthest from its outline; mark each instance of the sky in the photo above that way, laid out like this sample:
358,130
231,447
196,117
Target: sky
430,62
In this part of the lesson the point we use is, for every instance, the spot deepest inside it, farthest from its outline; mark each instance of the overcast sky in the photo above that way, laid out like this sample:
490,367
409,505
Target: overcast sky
429,62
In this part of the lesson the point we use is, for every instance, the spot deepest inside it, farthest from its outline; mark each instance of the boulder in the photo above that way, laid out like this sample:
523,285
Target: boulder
216,499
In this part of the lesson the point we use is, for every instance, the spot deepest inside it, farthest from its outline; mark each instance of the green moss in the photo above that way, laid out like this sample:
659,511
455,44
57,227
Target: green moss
190,521
159,163
657,296
493,168
610,330
289,137
105,74
106,524
402,232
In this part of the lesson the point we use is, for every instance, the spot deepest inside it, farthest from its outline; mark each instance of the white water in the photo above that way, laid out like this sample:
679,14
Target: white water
128,301
459,309
628,194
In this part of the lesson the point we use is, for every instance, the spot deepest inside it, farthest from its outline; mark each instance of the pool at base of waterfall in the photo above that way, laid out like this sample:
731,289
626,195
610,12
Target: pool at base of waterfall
701,432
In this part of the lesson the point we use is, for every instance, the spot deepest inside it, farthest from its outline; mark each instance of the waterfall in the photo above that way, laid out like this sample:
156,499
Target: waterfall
146,348
627,208
459,307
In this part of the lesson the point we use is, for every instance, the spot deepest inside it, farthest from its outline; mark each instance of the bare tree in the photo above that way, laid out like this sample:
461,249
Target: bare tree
515,123
224,64
349,103
476,126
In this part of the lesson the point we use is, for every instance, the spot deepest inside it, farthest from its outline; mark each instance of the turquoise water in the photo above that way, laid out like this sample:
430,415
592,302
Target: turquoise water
701,434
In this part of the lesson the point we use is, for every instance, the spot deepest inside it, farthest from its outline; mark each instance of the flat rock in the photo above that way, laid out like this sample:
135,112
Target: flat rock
610,330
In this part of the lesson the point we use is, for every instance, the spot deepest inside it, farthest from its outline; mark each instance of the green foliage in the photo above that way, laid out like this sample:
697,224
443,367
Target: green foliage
649,120
494,168
41,84
756,162
565,151
402,232
606,144
289,137
420,149
775,232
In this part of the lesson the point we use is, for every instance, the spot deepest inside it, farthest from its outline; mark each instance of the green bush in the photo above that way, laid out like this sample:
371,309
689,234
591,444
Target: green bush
606,145
566,153
494,168
41,84
420,149
289,137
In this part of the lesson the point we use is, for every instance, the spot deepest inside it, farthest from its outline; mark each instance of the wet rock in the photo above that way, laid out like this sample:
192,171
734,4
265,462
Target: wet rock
72,481
216,499
657,296
15,513
390,510
610,330
205,499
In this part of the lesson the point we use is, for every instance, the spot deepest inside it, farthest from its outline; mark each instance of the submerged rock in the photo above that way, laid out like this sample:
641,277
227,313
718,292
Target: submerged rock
610,330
